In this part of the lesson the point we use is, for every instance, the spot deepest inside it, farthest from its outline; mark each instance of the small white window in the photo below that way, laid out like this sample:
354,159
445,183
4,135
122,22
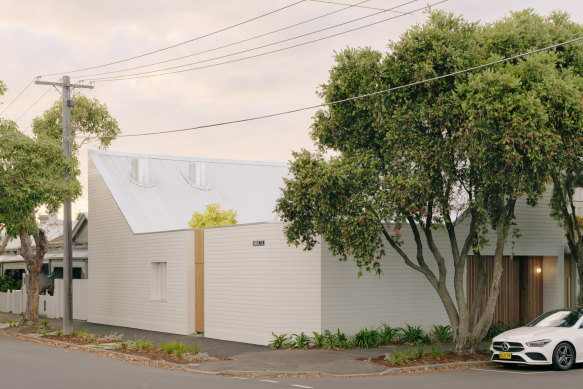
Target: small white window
158,284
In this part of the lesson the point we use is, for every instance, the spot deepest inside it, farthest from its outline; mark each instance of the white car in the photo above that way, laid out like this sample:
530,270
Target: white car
555,337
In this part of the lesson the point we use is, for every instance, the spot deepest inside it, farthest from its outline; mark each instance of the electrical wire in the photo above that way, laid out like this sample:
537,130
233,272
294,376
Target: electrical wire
356,5
322,105
178,44
148,74
35,103
16,98
230,44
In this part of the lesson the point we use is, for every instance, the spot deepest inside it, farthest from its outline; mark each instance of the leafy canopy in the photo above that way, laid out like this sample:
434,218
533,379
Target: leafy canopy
89,117
213,216
32,174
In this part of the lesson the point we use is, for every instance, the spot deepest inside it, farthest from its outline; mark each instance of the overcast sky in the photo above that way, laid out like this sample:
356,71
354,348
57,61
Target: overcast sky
57,36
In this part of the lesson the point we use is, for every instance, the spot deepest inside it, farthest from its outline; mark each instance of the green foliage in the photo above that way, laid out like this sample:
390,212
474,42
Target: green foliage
318,339
9,283
435,353
59,333
343,341
88,117
388,334
32,175
279,342
213,216
417,157
442,333
395,358
367,338
412,334
301,341
179,349
142,344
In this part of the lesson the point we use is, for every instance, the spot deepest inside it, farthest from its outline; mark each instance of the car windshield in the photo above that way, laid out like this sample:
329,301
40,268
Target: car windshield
560,318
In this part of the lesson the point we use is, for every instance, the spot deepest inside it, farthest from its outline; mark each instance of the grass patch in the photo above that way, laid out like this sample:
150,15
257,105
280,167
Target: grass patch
179,349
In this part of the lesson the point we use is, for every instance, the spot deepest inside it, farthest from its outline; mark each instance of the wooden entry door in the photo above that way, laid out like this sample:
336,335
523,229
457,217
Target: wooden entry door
520,299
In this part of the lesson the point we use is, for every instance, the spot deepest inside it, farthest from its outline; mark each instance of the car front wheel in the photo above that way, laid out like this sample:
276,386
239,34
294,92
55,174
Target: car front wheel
563,356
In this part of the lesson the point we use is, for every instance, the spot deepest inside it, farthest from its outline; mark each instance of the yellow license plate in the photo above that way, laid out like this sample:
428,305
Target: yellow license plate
505,355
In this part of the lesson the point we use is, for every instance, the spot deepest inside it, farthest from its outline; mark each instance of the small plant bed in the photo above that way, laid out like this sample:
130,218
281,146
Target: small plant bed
173,352
384,335
421,356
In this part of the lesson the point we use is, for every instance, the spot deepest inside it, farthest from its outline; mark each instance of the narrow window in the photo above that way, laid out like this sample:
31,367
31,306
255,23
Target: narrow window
158,284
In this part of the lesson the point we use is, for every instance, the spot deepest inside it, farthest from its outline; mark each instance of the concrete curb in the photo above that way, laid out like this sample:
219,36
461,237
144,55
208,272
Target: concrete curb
259,373
395,370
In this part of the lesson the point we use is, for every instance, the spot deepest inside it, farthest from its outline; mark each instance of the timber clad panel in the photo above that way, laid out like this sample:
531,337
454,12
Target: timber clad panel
520,299
199,275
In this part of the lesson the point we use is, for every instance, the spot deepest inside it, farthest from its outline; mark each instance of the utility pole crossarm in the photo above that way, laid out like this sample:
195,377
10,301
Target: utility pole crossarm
80,86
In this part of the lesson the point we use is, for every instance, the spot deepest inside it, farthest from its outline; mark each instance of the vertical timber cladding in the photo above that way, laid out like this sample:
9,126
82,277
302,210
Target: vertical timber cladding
199,280
520,299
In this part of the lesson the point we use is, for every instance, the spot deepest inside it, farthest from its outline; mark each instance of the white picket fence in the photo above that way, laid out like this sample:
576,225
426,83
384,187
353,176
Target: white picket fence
49,306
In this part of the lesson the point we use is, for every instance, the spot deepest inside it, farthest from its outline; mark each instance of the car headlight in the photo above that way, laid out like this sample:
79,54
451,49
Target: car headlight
538,343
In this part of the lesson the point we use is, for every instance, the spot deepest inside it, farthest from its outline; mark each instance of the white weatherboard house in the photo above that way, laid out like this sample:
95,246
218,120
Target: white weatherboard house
147,269
142,262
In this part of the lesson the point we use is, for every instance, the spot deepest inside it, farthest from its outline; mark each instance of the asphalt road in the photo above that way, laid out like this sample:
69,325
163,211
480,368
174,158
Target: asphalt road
30,365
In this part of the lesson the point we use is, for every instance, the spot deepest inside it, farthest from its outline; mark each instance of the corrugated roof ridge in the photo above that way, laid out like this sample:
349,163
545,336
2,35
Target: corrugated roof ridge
186,159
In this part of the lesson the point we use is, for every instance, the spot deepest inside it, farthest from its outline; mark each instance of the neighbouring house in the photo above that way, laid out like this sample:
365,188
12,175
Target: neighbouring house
243,282
12,263
51,278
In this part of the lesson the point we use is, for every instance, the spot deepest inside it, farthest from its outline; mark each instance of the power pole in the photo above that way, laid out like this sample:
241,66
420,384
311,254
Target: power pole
67,224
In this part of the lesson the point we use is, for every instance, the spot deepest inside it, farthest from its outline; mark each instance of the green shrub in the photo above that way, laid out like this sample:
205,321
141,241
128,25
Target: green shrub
412,334
343,340
330,340
435,352
9,283
142,344
279,341
395,358
442,333
59,333
387,334
318,339
301,341
366,338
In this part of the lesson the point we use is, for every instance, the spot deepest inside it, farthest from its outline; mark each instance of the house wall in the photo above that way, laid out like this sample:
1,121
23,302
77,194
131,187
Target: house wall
251,292
120,266
400,296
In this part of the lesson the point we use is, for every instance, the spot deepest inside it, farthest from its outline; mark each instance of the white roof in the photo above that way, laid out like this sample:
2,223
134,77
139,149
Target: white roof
250,188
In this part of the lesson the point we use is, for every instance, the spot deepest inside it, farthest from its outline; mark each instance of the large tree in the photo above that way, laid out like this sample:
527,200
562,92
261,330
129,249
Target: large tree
34,176
419,157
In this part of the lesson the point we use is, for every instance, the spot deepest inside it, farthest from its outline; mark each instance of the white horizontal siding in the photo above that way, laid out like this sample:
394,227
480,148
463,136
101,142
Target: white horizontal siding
120,269
251,292
400,296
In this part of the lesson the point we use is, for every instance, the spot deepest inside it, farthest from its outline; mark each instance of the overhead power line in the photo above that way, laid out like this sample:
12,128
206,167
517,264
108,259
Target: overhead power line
231,44
17,96
322,105
337,3
149,74
177,44
34,103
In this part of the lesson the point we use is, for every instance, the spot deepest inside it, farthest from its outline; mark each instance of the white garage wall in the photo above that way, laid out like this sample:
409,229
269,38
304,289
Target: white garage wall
120,269
251,292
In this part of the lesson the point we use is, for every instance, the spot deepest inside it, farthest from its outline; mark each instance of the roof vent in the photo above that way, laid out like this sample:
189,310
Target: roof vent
141,174
197,175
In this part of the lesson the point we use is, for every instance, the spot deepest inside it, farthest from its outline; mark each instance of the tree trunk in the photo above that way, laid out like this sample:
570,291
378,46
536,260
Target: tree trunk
580,271
34,264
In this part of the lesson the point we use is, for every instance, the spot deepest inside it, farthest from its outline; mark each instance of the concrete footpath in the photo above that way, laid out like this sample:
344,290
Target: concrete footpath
254,360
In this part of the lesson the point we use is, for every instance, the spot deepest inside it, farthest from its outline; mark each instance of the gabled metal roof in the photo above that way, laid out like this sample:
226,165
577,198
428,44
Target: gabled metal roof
250,188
